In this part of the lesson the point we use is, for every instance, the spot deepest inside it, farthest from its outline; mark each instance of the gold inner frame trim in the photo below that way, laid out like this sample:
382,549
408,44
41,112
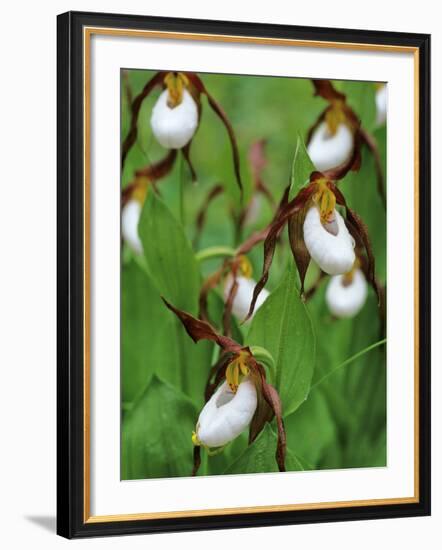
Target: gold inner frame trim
87,34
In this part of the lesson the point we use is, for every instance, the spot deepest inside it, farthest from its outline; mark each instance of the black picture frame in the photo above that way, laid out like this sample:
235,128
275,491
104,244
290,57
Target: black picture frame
71,521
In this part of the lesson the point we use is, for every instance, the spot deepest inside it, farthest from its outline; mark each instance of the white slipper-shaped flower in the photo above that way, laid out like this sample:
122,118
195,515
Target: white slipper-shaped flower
381,104
330,246
346,294
244,295
227,414
130,217
328,150
175,126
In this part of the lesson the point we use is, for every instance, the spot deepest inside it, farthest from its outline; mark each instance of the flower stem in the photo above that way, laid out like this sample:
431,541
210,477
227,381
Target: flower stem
181,188
349,360
214,252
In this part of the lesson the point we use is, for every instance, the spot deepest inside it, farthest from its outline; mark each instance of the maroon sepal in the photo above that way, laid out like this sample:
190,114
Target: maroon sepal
284,212
359,231
199,86
156,80
201,330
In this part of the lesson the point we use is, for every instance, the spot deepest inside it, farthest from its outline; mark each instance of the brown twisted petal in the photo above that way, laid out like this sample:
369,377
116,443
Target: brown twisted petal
156,80
296,238
264,413
326,90
370,142
199,86
359,232
152,172
271,396
201,216
227,314
210,283
158,169
201,330
284,212
186,155
353,163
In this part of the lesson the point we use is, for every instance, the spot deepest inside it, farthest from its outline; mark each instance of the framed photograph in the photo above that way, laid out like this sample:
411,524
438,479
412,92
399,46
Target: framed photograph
243,274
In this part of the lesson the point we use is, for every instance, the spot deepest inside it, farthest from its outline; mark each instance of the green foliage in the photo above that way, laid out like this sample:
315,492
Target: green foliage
260,456
154,443
169,256
302,167
339,422
153,341
283,327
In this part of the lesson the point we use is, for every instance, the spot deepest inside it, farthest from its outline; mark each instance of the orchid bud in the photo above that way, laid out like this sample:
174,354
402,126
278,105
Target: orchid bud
226,415
244,295
130,217
328,149
381,104
346,294
174,125
330,245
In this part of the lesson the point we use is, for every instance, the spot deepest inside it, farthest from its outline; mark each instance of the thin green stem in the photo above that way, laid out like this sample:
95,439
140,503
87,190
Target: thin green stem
214,252
349,360
181,189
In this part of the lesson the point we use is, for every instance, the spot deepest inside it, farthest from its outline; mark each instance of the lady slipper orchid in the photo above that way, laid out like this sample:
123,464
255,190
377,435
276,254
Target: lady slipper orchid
235,277
238,395
328,149
134,195
330,244
346,294
226,415
239,286
130,217
317,230
174,117
381,104
333,142
243,295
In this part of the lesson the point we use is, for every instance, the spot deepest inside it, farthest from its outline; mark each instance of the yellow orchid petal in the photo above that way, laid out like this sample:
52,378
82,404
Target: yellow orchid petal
335,116
175,84
245,267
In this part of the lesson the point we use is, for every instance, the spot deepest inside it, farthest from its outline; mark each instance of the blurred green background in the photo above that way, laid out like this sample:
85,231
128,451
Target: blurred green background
341,422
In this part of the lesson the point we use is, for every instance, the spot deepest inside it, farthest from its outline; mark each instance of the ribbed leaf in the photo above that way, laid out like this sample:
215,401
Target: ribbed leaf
169,256
302,167
260,456
157,432
282,326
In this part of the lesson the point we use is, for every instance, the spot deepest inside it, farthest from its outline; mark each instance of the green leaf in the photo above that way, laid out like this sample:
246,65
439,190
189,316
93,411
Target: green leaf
356,393
361,98
266,360
259,457
153,341
302,167
169,256
311,428
174,270
156,437
283,327
145,322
